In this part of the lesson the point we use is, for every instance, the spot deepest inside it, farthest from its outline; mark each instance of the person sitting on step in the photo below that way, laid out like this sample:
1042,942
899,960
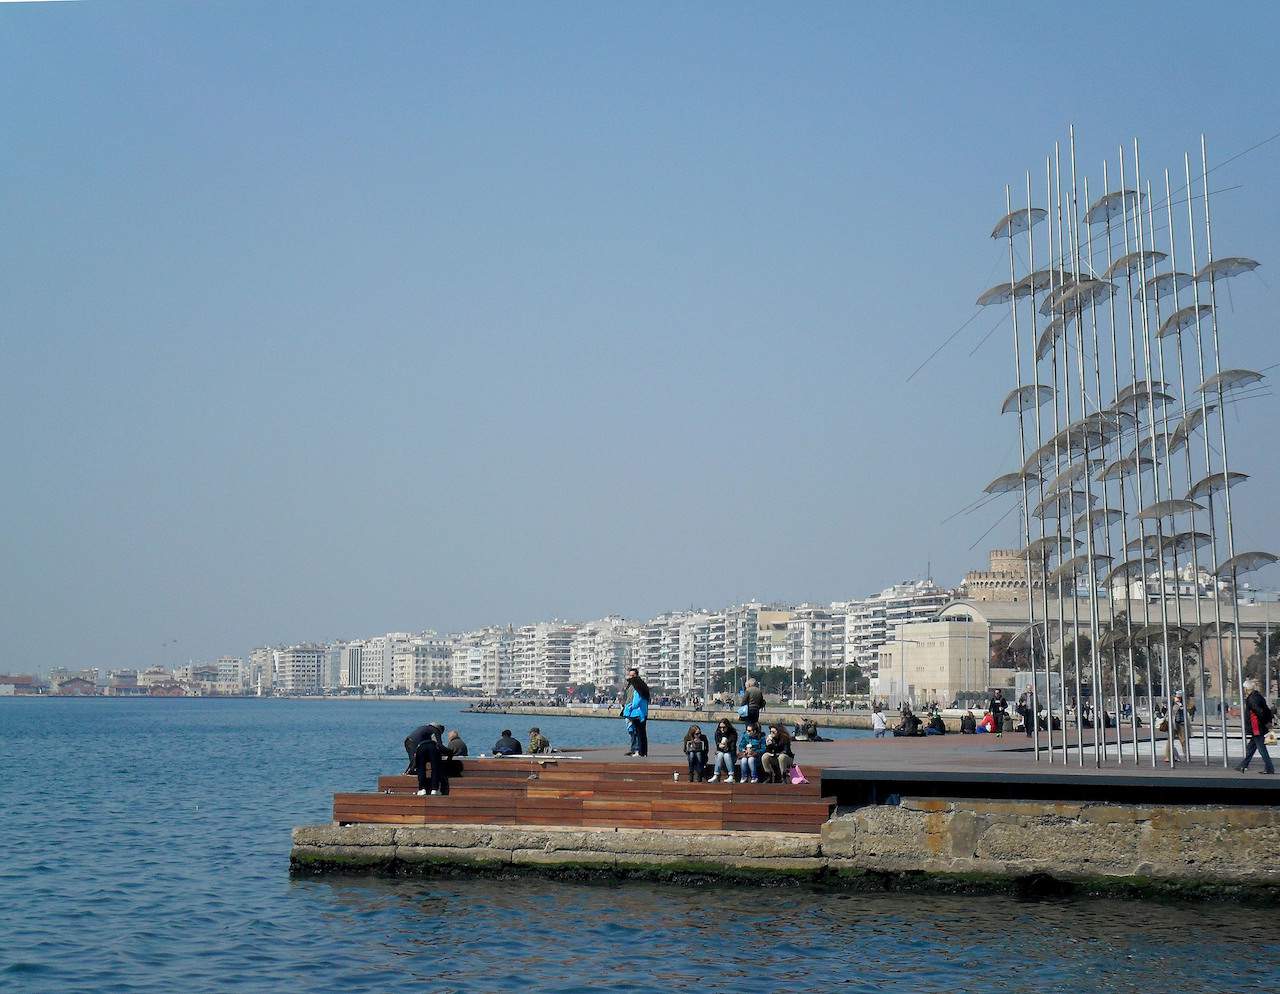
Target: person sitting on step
777,757
538,743
750,747
726,737
506,745
696,747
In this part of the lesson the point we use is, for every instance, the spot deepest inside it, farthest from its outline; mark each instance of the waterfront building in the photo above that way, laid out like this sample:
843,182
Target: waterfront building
497,655
939,662
351,666
659,651
871,622
815,638
422,663
376,660
771,636
155,675
297,669
541,656
466,662
262,670
602,651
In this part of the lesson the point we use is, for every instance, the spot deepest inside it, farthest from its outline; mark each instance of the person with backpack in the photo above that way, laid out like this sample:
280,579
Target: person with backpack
752,702
1258,717
635,709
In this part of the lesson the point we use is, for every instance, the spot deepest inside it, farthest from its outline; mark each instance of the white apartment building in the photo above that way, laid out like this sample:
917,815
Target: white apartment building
602,651
659,651
376,660
466,662
351,666
298,669
497,659
815,638
870,623
542,653
422,663
261,671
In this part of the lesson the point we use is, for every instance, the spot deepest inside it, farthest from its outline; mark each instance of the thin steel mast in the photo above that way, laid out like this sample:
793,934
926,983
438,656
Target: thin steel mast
1186,442
1168,474
1208,462
1137,419
1124,519
1044,582
1022,436
1066,405
1222,438
1057,468
1086,436
1033,702
1155,473
1103,418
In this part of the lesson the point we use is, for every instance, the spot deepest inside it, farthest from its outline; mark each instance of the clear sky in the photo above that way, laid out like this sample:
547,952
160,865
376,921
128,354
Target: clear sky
329,319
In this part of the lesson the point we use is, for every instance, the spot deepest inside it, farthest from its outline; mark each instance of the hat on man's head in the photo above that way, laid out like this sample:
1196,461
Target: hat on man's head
535,728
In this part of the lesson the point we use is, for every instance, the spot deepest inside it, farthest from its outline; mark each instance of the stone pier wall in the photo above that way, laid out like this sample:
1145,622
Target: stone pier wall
1025,847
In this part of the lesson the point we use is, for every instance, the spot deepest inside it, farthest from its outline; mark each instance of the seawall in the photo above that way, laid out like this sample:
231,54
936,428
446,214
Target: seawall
825,719
1017,847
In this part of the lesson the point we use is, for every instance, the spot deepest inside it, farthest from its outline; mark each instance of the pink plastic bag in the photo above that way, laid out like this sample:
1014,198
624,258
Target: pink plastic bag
797,775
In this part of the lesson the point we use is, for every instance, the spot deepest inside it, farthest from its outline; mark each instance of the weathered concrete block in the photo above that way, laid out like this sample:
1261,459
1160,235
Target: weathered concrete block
453,836
930,804
563,857
343,835
451,854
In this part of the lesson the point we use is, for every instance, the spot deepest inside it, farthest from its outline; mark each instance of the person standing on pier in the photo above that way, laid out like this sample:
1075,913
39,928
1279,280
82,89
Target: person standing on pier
753,701
635,709
1257,722
999,708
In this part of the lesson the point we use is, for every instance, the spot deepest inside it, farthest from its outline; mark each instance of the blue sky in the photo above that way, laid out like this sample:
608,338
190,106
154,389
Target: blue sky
330,319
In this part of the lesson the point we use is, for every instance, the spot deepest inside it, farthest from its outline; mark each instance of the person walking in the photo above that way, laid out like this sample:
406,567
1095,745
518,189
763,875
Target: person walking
1258,717
753,701
635,709
1177,730
999,708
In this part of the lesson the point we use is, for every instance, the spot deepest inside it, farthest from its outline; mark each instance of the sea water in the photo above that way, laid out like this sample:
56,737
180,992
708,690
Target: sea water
144,846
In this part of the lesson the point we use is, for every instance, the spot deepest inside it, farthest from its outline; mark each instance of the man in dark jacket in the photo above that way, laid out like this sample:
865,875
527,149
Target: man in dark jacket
506,745
426,751
999,708
1257,722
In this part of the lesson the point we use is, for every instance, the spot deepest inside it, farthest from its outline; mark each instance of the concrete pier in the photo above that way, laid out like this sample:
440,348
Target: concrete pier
825,719
1017,847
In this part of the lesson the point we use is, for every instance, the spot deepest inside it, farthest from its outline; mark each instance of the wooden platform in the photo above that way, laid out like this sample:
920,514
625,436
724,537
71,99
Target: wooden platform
590,794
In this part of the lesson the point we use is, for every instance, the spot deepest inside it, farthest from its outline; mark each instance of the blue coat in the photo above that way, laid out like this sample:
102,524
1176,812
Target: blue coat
636,707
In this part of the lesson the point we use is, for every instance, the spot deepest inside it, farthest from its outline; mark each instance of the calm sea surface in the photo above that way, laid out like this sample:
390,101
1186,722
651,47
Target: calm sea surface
144,846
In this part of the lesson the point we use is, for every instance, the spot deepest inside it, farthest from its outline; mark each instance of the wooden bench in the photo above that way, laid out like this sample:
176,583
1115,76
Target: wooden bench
589,794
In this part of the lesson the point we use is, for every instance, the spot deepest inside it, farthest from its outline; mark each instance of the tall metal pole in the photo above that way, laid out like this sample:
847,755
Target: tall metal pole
1168,473
1034,703
1208,460
1142,528
1022,439
1195,555
1124,519
1106,502
1222,438
1155,474
1086,436
1066,403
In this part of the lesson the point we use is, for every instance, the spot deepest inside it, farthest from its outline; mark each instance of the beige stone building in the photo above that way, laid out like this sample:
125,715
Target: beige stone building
1005,579
938,661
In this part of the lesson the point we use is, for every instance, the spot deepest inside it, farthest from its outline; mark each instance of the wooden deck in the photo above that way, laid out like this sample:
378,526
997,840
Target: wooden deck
590,794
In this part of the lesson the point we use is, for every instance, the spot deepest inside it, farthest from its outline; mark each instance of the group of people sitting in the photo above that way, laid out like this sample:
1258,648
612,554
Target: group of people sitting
434,758
753,756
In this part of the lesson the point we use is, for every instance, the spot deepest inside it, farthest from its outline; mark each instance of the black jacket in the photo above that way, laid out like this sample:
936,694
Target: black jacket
696,745
423,732
507,746
732,736
1256,704
779,745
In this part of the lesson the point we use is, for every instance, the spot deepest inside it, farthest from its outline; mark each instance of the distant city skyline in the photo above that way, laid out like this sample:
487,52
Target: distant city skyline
324,321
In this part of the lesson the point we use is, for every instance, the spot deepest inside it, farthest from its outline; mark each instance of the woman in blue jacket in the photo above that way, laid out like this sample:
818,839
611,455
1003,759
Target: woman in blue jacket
750,749
635,709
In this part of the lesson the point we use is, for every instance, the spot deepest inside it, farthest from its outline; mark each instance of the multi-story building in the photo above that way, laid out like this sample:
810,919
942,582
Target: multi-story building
602,651
497,660
233,676
659,651
261,671
298,668
351,666
542,655
466,662
422,663
815,638
872,622
376,660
